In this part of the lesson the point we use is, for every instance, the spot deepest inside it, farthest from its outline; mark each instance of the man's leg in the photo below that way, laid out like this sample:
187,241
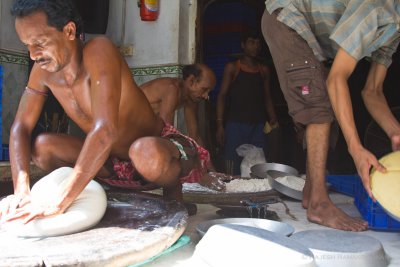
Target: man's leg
302,80
51,151
321,210
159,161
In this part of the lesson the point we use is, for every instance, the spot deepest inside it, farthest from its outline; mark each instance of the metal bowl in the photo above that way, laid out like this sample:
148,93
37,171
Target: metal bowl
270,225
281,188
260,170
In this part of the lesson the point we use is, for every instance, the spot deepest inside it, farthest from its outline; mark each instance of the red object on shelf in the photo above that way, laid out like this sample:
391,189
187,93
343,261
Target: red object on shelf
149,10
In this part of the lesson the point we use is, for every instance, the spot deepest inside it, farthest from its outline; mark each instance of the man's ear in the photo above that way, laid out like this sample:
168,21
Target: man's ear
191,80
69,30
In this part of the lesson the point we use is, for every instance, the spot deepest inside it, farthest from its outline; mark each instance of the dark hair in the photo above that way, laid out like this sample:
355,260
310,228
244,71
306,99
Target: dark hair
193,69
250,34
59,12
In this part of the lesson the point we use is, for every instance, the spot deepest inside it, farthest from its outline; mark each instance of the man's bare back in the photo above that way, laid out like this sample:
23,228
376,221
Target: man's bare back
164,94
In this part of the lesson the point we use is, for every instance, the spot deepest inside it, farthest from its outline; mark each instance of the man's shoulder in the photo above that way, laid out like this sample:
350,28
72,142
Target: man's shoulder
231,66
101,43
166,83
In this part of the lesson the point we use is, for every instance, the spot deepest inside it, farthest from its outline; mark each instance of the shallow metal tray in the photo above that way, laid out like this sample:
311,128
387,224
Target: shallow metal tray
270,225
260,170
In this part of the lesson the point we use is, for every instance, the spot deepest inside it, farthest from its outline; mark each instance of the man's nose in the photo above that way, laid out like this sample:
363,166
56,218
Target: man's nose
33,52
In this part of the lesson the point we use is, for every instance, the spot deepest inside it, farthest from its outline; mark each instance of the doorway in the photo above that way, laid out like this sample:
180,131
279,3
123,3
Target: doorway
222,25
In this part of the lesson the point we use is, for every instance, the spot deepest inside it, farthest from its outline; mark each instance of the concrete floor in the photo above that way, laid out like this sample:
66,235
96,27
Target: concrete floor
183,256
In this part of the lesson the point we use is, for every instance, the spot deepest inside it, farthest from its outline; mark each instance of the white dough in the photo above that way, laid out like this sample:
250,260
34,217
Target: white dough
85,211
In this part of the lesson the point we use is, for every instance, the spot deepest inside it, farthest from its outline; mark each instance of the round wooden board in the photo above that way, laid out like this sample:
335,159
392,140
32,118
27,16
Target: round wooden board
136,226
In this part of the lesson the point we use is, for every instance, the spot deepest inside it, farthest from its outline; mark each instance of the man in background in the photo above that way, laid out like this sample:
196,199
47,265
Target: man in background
244,103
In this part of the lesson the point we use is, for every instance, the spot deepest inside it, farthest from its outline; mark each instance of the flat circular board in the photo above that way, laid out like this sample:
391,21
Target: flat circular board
333,248
386,186
135,227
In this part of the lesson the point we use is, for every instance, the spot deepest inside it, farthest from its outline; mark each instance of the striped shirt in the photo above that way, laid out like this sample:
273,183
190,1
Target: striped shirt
363,28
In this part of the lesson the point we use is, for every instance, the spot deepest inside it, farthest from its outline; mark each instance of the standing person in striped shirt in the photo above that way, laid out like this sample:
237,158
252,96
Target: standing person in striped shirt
304,37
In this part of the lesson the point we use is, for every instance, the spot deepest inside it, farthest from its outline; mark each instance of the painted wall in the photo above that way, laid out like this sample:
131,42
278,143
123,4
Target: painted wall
160,47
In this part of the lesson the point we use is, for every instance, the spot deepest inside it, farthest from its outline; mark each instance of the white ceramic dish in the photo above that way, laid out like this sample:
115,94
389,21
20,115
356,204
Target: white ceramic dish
270,225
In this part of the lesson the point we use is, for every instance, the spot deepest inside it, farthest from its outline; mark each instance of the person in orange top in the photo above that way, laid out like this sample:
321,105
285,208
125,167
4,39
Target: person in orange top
246,82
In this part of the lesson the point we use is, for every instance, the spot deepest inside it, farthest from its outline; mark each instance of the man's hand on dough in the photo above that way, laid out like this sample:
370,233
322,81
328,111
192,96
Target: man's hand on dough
33,211
10,204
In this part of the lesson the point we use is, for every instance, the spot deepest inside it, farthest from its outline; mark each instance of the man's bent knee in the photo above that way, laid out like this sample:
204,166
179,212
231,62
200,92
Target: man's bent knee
40,151
147,158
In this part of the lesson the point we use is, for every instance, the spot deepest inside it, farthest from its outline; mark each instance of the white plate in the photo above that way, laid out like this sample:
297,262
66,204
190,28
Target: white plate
270,225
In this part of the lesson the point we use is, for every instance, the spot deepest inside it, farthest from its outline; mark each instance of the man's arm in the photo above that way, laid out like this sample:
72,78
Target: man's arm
228,75
377,106
27,115
103,63
190,110
267,94
169,104
338,90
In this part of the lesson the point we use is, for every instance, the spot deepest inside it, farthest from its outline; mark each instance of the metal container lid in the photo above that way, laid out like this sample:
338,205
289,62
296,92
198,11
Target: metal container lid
239,245
333,248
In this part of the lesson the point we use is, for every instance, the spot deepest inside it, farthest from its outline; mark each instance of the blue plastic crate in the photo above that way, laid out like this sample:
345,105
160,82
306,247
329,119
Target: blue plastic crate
373,213
345,184
5,155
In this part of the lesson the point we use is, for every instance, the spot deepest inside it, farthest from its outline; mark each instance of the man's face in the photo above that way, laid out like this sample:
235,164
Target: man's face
202,87
46,44
251,47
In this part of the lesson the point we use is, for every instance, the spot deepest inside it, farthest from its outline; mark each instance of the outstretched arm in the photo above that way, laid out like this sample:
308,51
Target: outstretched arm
104,68
377,106
338,90
27,115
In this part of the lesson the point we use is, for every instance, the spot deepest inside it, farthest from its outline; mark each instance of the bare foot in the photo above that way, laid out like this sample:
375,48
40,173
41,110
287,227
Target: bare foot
306,194
327,214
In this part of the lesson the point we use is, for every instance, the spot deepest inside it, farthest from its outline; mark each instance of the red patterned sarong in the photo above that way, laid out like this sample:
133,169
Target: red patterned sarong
125,172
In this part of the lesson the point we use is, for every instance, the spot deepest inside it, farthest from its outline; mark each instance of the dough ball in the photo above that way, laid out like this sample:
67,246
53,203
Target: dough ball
85,212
